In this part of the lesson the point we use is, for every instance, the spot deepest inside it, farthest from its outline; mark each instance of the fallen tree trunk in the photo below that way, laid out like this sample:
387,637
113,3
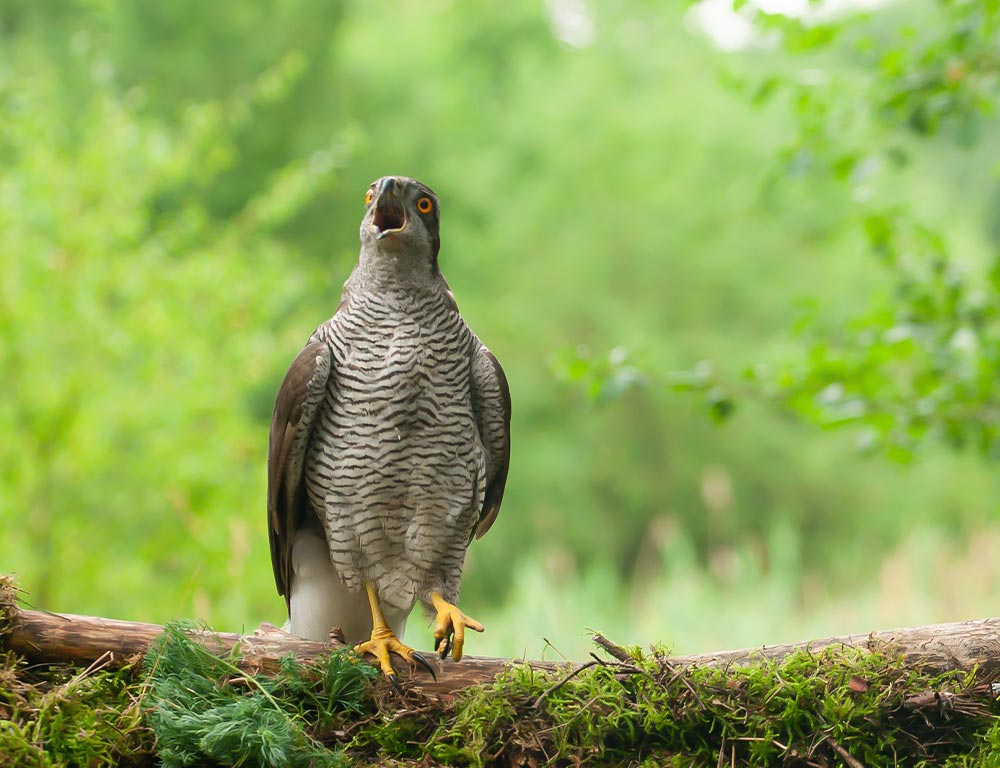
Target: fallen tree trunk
955,645
41,636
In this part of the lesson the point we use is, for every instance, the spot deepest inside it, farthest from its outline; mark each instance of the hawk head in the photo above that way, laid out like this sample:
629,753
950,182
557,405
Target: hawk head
401,218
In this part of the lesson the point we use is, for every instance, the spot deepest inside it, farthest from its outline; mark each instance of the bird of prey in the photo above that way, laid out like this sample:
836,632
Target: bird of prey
389,444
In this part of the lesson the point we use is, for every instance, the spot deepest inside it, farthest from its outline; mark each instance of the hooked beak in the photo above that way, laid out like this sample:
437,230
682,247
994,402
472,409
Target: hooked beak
390,215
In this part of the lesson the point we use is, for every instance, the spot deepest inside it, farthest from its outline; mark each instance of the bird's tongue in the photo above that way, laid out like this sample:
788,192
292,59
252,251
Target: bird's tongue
388,214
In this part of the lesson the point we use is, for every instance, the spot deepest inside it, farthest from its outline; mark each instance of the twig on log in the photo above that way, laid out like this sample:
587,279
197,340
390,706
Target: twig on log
940,701
561,683
615,650
846,756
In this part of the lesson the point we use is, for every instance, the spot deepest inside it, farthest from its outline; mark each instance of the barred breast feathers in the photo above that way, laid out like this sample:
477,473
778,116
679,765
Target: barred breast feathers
397,466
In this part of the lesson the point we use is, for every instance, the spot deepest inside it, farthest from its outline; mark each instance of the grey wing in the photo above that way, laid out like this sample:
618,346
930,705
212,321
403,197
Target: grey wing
299,397
491,407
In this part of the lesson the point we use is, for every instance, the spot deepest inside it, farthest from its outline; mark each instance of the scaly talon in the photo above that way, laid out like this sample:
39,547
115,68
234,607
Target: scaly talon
450,623
384,642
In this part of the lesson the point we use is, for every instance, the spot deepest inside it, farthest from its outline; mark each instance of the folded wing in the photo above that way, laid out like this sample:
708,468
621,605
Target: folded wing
299,398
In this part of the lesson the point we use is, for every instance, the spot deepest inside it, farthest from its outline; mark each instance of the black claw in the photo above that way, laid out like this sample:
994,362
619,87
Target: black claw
444,647
423,663
395,684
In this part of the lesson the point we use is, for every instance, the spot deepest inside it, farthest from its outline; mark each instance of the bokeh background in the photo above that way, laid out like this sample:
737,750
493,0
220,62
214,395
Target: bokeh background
641,202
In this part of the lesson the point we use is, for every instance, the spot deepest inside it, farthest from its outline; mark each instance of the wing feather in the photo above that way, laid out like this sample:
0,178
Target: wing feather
299,397
491,406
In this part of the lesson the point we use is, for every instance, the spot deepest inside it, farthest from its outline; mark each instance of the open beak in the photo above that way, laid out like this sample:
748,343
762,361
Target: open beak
390,215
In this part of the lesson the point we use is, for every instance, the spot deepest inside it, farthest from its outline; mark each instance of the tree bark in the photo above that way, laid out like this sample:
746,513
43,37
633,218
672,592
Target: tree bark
955,645
42,637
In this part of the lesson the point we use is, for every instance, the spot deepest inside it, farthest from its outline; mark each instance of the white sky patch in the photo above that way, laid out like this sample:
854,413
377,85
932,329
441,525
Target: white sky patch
572,21
734,31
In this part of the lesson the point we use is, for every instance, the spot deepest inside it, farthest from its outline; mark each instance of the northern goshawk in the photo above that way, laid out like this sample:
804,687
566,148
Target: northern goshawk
389,444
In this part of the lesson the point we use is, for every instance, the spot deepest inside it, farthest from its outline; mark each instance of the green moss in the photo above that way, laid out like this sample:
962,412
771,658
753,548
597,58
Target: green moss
61,716
203,708
819,709
810,706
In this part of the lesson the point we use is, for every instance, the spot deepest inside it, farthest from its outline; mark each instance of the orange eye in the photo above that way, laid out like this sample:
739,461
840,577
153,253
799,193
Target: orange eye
424,205
368,197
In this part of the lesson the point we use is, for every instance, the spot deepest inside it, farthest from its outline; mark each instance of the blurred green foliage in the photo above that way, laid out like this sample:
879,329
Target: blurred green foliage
923,361
180,186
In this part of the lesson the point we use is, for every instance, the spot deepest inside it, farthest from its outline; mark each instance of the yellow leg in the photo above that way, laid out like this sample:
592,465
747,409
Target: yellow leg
450,622
383,642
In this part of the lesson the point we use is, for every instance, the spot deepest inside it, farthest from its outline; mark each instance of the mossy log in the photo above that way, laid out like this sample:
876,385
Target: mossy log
41,636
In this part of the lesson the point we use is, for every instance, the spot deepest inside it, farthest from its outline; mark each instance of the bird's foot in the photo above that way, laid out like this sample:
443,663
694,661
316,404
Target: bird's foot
383,643
449,627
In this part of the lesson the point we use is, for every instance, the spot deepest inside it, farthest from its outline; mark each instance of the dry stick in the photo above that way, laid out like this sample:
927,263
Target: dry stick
541,747
846,756
561,683
615,650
